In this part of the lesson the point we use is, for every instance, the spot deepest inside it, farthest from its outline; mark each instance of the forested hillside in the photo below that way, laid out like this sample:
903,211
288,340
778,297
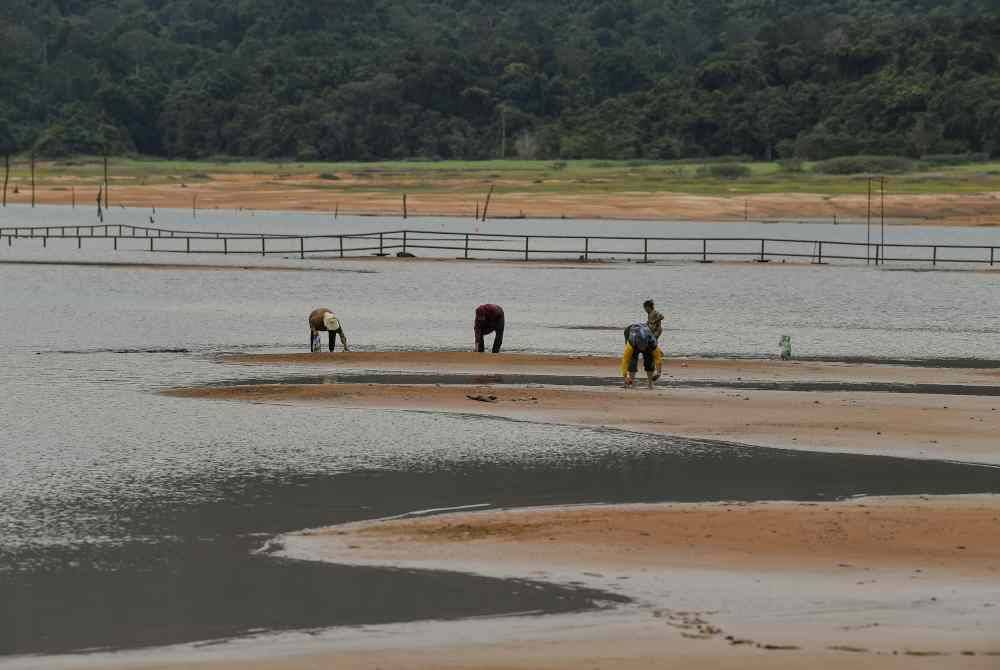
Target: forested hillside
382,79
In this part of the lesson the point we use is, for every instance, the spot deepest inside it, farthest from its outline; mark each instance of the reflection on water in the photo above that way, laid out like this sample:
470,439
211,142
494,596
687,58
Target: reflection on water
128,517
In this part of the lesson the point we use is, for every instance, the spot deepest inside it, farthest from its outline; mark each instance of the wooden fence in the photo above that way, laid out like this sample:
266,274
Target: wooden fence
502,246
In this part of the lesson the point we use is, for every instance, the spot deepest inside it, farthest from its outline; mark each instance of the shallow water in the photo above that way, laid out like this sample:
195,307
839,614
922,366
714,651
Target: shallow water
128,517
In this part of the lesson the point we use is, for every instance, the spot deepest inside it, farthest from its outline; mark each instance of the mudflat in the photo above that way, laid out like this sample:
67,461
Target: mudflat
897,582
923,425
891,582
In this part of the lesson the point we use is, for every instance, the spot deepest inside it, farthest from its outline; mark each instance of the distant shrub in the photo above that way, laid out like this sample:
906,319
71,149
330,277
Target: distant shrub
724,171
954,159
329,176
558,165
790,164
864,165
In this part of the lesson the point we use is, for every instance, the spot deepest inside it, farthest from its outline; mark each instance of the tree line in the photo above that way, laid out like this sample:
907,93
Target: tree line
387,79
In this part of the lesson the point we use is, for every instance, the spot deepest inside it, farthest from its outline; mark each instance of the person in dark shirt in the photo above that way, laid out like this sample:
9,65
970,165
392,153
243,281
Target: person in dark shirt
489,319
639,339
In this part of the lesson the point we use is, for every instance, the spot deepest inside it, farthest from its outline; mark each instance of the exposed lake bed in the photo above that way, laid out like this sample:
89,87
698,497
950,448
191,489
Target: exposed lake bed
123,499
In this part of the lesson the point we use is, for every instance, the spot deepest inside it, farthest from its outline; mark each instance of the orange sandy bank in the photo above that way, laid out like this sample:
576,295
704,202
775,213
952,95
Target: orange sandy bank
878,583
955,534
915,425
882,583
736,369
458,198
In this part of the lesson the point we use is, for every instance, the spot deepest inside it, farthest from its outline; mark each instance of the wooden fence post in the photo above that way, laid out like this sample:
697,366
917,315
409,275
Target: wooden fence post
487,205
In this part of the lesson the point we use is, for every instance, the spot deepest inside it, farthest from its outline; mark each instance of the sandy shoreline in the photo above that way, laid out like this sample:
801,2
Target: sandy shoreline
897,424
458,198
892,582
896,582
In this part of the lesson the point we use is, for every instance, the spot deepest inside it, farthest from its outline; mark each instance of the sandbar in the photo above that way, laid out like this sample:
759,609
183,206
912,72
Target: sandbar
889,582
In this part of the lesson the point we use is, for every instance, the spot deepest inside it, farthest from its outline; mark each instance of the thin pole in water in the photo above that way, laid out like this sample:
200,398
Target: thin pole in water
487,205
882,214
868,226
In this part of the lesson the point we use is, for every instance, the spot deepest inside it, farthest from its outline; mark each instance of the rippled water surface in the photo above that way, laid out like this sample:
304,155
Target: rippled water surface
128,517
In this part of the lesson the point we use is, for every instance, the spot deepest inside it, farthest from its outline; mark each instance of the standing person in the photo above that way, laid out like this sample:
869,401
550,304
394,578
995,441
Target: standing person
323,319
489,319
653,319
639,339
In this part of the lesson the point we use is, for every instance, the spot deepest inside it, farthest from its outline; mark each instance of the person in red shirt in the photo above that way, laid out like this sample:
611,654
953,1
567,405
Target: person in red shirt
489,319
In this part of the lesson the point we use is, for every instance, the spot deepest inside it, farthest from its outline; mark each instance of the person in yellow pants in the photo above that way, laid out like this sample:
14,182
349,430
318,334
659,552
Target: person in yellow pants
639,339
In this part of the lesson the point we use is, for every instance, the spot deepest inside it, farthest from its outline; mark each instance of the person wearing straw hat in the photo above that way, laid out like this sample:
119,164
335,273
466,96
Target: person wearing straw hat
322,319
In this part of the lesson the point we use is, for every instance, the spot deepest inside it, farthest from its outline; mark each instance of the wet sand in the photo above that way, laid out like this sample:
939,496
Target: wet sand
898,582
876,583
897,424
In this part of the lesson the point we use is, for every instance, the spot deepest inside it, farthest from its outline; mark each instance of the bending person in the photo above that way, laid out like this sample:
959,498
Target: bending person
489,319
323,319
639,339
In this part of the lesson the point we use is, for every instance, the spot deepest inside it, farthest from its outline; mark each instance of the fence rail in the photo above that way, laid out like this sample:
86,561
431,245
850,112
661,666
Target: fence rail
504,246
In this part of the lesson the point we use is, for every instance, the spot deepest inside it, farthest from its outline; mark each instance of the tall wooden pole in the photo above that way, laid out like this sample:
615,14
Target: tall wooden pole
32,178
882,211
503,133
868,226
6,176
105,181
404,205
486,206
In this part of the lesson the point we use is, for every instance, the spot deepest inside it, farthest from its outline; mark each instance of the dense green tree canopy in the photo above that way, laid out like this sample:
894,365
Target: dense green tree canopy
377,79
